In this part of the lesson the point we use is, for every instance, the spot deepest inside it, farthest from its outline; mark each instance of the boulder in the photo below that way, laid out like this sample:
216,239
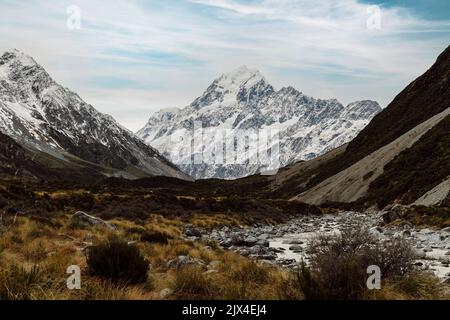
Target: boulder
184,261
296,248
269,257
164,293
191,231
263,243
250,241
395,213
296,241
264,236
233,240
426,231
83,219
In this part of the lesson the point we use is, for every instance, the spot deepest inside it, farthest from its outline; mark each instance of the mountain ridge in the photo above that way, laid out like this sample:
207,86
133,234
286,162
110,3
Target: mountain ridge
38,112
410,140
241,101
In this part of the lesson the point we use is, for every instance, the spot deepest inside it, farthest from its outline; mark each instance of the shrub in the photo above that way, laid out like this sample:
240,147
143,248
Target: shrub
117,261
339,263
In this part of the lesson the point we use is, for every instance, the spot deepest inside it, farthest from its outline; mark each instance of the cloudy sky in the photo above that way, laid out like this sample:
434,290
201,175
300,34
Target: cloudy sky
131,58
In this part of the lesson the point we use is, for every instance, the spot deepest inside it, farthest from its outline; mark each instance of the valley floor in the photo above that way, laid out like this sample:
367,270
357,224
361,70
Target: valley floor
196,247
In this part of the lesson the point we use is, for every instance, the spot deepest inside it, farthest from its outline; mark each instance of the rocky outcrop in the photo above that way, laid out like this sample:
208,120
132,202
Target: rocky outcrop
83,219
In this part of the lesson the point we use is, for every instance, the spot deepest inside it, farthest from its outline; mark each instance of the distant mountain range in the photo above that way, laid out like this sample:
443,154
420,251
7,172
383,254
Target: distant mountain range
401,156
243,101
58,131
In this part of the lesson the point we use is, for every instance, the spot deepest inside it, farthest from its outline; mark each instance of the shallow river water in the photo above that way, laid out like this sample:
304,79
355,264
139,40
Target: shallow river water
286,244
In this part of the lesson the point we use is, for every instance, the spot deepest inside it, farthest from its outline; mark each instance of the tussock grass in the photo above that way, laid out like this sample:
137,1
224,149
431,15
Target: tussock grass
416,286
35,254
192,283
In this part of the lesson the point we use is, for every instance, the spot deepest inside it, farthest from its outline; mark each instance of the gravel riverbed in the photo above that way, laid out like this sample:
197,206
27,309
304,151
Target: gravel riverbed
285,244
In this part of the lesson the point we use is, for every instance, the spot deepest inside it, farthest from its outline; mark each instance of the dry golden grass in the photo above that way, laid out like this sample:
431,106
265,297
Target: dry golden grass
417,286
34,256
215,221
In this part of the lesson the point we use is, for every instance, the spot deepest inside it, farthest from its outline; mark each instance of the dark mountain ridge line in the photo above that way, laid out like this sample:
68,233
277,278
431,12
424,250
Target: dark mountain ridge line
416,170
404,113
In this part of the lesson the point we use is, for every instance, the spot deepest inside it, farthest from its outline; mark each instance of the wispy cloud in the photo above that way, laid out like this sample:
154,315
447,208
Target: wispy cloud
131,58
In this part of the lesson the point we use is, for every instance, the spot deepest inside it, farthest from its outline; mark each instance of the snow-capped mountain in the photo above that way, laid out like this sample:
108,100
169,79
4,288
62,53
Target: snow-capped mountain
49,119
242,103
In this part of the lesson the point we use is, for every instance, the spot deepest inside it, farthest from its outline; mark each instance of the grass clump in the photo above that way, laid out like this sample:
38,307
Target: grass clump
18,283
192,283
117,261
152,236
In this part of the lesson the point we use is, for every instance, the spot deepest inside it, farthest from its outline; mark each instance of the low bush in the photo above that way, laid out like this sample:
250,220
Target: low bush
339,263
117,261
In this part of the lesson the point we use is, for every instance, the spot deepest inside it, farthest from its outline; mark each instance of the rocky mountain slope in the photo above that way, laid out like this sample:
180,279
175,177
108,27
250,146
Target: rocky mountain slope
400,156
242,103
14,161
51,121
28,164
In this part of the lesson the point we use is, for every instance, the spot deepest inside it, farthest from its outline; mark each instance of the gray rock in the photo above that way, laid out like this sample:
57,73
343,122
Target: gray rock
263,256
296,241
269,262
263,243
296,248
250,241
426,231
86,220
183,261
191,231
234,240
258,250
164,293
444,260
264,236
